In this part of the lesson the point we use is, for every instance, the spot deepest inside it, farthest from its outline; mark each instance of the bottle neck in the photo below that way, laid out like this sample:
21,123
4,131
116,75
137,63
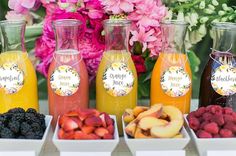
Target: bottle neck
12,35
117,35
173,35
66,34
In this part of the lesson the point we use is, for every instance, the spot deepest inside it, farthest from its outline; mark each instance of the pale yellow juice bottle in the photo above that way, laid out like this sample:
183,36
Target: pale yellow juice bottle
18,81
116,81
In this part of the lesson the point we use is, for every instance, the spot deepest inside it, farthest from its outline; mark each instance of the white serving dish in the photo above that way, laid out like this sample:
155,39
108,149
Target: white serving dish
87,145
156,144
34,145
213,144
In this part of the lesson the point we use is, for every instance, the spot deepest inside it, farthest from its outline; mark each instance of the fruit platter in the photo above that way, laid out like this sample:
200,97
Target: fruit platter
24,130
86,130
158,125
212,128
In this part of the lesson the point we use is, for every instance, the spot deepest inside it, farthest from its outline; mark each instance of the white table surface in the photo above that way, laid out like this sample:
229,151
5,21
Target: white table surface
121,150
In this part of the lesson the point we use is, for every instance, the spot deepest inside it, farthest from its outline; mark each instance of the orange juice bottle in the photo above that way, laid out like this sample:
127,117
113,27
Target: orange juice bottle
171,76
116,81
18,81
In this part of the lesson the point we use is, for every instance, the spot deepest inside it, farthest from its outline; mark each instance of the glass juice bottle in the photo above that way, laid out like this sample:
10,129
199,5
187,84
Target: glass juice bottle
218,81
18,81
67,78
171,76
116,81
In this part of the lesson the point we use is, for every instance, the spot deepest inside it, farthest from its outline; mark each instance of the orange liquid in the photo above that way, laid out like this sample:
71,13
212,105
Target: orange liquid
164,61
27,96
59,105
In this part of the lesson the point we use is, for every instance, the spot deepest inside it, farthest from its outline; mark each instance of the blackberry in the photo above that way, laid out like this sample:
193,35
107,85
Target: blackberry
16,110
25,128
36,127
30,135
3,118
31,110
14,126
31,118
41,117
7,133
18,117
21,137
39,135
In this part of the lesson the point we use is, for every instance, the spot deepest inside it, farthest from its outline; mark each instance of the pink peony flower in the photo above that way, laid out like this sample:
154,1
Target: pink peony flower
142,36
94,9
23,6
118,6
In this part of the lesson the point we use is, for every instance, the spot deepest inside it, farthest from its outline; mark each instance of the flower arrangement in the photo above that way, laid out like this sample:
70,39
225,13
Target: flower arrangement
145,39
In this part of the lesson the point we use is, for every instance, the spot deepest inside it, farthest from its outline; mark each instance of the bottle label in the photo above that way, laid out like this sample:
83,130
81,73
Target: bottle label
223,80
118,79
65,80
175,82
11,78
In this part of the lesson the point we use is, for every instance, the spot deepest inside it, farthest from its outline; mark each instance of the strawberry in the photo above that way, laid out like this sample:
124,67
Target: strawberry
111,129
69,125
108,136
102,117
87,129
72,114
93,121
101,131
61,133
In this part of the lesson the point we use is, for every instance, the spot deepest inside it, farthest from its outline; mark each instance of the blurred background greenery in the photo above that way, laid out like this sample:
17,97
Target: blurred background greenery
202,49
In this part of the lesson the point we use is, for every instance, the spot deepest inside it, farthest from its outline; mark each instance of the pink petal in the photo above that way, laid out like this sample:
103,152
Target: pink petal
11,4
95,14
126,6
28,3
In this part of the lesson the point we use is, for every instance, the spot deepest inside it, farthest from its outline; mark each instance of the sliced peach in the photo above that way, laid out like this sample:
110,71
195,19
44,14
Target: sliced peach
139,109
148,122
101,131
93,121
131,128
173,127
139,134
154,111
128,116
179,136
87,129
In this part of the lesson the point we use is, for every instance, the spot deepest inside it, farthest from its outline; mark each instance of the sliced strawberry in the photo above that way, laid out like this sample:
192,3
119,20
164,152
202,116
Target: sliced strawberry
93,121
95,112
85,113
78,121
102,117
69,135
108,136
108,119
61,133
101,131
62,120
111,129
87,129
70,125
72,114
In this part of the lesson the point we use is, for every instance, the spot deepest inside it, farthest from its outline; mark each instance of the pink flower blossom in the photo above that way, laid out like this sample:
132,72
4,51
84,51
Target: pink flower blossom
142,36
23,6
94,9
118,6
148,13
12,15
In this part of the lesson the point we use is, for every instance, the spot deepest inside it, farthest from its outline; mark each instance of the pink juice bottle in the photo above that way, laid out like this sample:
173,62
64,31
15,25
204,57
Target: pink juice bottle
68,85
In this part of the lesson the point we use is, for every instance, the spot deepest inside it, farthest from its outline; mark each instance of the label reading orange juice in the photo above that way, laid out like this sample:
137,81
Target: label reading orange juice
118,79
65,80
11,78
175,82
223,80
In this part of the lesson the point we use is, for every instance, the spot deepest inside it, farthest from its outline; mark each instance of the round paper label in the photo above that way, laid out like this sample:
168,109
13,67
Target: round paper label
65,80
223,80
11,78
175,82
118,79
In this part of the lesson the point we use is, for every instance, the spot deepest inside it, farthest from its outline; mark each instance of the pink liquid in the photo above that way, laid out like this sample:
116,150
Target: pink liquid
59,105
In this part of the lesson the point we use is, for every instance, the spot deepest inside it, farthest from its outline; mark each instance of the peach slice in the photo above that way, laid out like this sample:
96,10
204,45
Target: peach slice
179,136
140,135
128,116
139,109
148,122
173,127
154,111
131,128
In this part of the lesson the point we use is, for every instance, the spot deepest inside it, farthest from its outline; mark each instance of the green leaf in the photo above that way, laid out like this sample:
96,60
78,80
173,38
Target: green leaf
194,63
149,63
33,31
